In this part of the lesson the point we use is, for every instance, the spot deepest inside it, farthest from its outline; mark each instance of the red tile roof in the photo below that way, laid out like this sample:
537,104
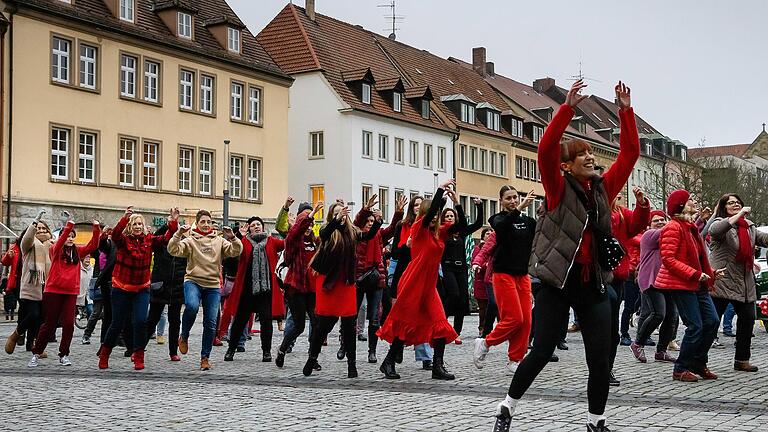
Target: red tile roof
344,53
737,150
150,27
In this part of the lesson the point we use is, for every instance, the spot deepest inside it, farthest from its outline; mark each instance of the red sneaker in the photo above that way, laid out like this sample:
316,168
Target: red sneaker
706,374
138,360
684,376
175,358
639,352
217,342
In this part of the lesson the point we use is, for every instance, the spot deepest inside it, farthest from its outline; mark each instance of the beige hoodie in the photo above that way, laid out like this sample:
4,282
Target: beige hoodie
204,254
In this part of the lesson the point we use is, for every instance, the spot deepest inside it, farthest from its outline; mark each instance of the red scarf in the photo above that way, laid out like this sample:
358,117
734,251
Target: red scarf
746,253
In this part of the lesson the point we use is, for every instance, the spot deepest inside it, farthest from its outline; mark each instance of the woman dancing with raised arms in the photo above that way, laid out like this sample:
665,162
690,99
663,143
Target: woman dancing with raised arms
418,316
565,253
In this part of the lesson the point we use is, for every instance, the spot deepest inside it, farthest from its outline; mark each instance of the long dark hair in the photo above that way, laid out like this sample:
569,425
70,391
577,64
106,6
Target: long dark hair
410,214
69,253
722,212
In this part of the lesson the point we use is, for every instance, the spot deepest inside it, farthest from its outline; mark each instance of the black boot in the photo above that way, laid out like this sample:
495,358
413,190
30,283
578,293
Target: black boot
341,353
351,370
229,355
601,427
280,360
426,364
309,366
388,368
372,357
438,370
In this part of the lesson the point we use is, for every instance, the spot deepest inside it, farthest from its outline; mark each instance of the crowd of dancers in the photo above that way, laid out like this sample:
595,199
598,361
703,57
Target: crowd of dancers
584,251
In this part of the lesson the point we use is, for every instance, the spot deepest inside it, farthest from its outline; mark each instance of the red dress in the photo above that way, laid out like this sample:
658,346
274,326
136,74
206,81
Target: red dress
339,301
418,316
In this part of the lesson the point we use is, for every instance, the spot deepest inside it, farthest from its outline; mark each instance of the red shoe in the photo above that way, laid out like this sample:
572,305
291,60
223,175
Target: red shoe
684,376
458,341
706,374
175,358
133,358
255,331
104,353
138,360
217,342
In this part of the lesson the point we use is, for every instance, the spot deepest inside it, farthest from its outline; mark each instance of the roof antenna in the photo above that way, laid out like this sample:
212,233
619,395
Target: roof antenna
581,76
394,17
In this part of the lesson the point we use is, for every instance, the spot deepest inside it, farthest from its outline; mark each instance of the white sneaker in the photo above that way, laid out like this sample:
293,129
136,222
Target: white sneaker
481,350
512,367
716,344
34,361
64,361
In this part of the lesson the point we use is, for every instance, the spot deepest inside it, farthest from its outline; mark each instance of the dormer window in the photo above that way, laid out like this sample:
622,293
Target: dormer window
425,109
683,154
233,40
467,113
126,10
366,93
493,120
397,102
649,148
184,28
538,131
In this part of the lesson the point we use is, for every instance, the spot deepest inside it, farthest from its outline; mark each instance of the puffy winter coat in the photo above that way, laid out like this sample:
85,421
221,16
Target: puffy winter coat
683,257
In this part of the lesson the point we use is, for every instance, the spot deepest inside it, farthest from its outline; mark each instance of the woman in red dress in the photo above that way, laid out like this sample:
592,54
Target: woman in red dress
418,315
335,287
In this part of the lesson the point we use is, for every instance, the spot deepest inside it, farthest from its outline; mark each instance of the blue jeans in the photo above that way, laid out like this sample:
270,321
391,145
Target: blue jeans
194,294
423,352
125,303
701,321
162,323
728,319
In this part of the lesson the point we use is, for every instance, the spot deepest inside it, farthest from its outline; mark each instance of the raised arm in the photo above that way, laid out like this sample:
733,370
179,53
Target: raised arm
436,206
117,233
478,223
84,251
28,239
281,224
173,225
56,249
327,230
177,246
629,145
371,232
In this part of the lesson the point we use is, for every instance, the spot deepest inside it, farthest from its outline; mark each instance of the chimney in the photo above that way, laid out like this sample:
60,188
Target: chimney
541,85
489,69
478,60
310,8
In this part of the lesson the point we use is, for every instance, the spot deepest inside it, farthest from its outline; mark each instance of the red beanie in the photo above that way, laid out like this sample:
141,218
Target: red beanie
676,201
661,213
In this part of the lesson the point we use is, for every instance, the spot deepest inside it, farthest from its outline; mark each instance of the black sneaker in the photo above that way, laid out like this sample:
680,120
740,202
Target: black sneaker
613,382
562,346
362,338
280,359
650,342
503,419
372,357
340,354
240,349
554,358
229,355
601,427
317,366
625,341
426,365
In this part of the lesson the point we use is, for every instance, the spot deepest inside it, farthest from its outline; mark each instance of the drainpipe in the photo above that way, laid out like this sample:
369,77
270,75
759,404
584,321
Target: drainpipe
10,123
3,30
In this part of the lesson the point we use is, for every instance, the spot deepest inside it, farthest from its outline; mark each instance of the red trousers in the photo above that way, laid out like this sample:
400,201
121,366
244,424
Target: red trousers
57,309
513,297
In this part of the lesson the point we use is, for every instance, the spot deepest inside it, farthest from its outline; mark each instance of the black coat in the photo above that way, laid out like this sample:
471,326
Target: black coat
169,271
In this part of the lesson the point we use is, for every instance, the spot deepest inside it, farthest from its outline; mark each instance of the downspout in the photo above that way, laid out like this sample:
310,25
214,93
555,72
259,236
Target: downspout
455,158
10,123
3,30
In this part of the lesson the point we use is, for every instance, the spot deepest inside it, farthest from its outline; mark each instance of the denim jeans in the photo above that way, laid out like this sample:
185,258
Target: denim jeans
194,294
423,352
162,323
728,319
128,305
700,318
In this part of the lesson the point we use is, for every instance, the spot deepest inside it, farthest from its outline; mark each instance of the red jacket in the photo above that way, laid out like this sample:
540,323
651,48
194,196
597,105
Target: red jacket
299,250
484,258
64,277
368,252
13,263
683,257
274,246
626,224
134,256
478,283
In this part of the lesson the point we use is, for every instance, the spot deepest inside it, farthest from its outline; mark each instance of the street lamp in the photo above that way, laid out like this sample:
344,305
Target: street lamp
226,183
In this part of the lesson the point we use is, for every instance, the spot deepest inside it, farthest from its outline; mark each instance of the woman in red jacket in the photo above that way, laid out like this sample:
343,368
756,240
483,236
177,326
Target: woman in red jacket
686,274
12,259
479,288
61,289
130,281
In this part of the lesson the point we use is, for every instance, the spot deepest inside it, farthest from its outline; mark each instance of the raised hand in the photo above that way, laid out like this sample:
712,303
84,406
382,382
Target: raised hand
95,222
40,214
623,96
174,214
184,228
574,96
317,208
746,211
452,195
67,215
372,201
527,201
129,211
228,234
344,212
448,183
288,203
243,230
377,214
477,201
706,213
639,195
400,203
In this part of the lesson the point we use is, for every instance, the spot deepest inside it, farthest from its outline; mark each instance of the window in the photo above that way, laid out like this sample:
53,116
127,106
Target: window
462,155
473,158
59,153
441,158
467,113
233,39
502,164
206,94
185,169
494,163
463,201
519,166
399,150
494,207
683,154
185,25
538,131
254,171
254,104
126,10
649,148
517,128
127,75
186,89
86,158
414,153
525,168
397,101
413,194
472,211
366,93
127,156
60,60
399,193
384,202
367,138
316,149
425,109
383,148
366,193
149,164
483,160
236,101
316,195
88,67
428,156
206,172
493,120
532,170
235,176
151,80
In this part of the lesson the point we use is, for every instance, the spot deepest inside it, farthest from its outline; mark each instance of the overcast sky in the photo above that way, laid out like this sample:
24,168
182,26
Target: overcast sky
698,69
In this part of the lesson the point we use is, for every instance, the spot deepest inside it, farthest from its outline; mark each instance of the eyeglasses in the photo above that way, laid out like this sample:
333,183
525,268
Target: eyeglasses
658,220
733,203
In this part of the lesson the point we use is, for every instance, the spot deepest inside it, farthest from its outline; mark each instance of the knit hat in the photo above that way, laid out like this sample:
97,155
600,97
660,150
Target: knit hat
676,201
304,206
255,218
661,213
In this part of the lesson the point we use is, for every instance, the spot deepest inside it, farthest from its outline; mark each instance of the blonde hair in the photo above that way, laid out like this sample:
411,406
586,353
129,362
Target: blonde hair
132,220
423,210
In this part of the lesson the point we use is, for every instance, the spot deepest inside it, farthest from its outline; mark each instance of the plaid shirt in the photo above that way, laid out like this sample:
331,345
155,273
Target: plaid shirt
134,256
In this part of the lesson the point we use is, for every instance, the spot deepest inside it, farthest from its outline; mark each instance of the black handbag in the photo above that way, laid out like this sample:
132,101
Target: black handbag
609,251
369,280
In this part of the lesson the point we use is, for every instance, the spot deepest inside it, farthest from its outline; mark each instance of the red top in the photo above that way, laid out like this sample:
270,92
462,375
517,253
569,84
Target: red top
299,250
683,257
625,225
368,252
613,180
13,263
134,256
64,277
484,258
273,247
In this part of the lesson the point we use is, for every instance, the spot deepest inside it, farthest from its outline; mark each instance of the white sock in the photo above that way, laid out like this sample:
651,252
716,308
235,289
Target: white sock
593,419
510,402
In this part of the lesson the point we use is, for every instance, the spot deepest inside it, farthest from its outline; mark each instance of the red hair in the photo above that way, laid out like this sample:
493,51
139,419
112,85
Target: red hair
572,147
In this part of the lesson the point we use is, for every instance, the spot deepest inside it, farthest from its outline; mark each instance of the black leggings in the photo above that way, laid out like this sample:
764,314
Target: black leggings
631,295
106,318
174,324
30,320
615,295
260,304
551,317
324,326
535,287
745,312
396,350
456,295
658,309
300,305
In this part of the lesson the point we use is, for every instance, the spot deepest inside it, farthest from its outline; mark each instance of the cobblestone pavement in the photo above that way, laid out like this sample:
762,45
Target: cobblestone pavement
250,395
